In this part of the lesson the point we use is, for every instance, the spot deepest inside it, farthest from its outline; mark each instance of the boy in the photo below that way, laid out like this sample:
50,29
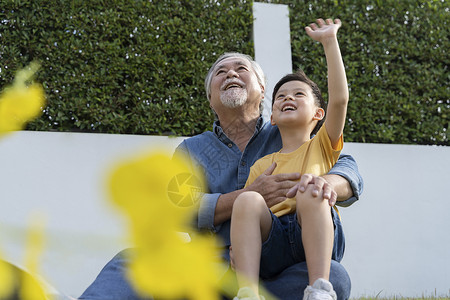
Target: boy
265,242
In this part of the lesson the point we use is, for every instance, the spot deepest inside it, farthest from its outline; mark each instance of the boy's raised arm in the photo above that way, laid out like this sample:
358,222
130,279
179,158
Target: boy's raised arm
325,32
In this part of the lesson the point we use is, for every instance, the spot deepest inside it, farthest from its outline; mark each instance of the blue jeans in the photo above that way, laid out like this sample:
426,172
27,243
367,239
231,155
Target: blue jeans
284,246
112,284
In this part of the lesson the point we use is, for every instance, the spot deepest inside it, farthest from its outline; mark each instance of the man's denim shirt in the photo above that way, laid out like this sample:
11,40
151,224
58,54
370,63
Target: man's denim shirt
227,168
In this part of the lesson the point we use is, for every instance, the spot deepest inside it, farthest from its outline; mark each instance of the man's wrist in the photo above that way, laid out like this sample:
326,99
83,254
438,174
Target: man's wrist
340,185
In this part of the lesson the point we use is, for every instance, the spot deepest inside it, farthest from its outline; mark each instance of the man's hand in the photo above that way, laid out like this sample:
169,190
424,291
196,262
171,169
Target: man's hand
320,184
273,188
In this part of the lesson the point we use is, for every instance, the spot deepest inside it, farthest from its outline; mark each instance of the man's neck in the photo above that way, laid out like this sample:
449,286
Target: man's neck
239,127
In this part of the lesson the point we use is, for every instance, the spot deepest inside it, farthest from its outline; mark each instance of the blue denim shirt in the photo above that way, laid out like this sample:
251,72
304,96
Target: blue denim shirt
227,168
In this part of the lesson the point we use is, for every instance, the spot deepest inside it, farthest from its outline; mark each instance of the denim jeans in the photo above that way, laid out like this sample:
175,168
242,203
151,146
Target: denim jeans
112,284
284,246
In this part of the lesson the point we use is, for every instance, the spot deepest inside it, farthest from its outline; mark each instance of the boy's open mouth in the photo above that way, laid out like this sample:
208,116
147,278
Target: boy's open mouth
288,107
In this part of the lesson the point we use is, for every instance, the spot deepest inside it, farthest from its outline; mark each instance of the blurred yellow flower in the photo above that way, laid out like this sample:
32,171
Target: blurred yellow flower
31,288
20,284
21,103
160,196
7,279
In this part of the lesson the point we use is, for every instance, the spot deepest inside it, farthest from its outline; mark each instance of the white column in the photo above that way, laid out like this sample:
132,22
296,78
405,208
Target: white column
271,34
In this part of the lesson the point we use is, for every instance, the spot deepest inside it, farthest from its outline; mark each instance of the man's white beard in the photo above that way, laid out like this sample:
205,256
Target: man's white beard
233,97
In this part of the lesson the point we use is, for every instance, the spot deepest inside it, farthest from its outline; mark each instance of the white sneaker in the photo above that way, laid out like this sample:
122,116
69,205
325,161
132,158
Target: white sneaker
247,293
321,290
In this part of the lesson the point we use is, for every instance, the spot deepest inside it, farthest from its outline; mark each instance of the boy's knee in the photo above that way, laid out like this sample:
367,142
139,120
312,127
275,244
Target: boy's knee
249,201
305,200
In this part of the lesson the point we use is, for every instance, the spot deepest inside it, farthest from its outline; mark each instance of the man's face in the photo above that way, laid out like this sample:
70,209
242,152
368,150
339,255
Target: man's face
234,84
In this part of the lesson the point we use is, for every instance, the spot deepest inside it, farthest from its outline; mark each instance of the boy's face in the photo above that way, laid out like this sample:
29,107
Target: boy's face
295,105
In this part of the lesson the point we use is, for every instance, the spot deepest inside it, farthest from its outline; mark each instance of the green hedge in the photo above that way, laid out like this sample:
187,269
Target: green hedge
137,67
134,67
396,57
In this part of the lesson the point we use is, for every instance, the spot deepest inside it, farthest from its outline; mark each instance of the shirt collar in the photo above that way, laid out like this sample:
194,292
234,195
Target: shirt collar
218,131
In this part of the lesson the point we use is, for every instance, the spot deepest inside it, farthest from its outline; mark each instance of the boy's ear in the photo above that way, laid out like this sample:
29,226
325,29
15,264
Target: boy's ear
272,121
319,115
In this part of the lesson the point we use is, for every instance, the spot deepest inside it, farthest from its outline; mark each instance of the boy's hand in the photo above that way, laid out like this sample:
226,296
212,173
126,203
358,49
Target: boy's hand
232,259
323,30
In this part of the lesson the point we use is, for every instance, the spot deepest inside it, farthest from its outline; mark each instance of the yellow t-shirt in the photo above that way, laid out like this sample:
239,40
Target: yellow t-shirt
316,156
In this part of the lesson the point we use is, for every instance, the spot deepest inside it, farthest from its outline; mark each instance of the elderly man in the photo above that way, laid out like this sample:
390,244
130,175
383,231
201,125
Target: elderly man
235,87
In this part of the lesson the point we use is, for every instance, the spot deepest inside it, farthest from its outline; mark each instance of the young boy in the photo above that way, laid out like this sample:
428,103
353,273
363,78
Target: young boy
265,242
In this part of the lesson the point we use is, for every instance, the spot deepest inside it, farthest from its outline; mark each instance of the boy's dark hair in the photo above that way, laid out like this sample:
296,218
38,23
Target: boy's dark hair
301,76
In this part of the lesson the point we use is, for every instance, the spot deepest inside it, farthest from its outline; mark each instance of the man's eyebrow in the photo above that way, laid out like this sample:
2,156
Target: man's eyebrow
219,67
236,63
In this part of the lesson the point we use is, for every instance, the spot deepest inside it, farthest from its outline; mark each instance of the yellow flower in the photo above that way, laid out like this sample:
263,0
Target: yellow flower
21,103
160,196
7,279
31,288
17,283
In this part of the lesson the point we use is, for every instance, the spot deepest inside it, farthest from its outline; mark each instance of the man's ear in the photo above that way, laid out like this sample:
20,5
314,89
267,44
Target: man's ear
262,91
319,115
272,121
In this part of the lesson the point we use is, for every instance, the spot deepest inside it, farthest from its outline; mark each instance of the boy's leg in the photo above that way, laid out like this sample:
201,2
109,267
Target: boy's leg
251,222
291,283
315,219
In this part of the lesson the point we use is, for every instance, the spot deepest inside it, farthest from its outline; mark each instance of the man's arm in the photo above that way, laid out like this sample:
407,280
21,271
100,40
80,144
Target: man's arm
215,208
347,169
340,185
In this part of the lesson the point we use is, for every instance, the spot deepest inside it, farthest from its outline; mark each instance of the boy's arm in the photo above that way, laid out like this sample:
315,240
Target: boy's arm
325,32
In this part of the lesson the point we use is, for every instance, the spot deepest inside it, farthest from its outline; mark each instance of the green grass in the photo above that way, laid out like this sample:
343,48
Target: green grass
429,296
404,298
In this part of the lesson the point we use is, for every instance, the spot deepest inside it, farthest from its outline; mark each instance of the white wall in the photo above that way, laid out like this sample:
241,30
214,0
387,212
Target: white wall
62,176
397,234
397,240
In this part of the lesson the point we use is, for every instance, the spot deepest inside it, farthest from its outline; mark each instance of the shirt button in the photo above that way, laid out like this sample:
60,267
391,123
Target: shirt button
243,163
230,145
